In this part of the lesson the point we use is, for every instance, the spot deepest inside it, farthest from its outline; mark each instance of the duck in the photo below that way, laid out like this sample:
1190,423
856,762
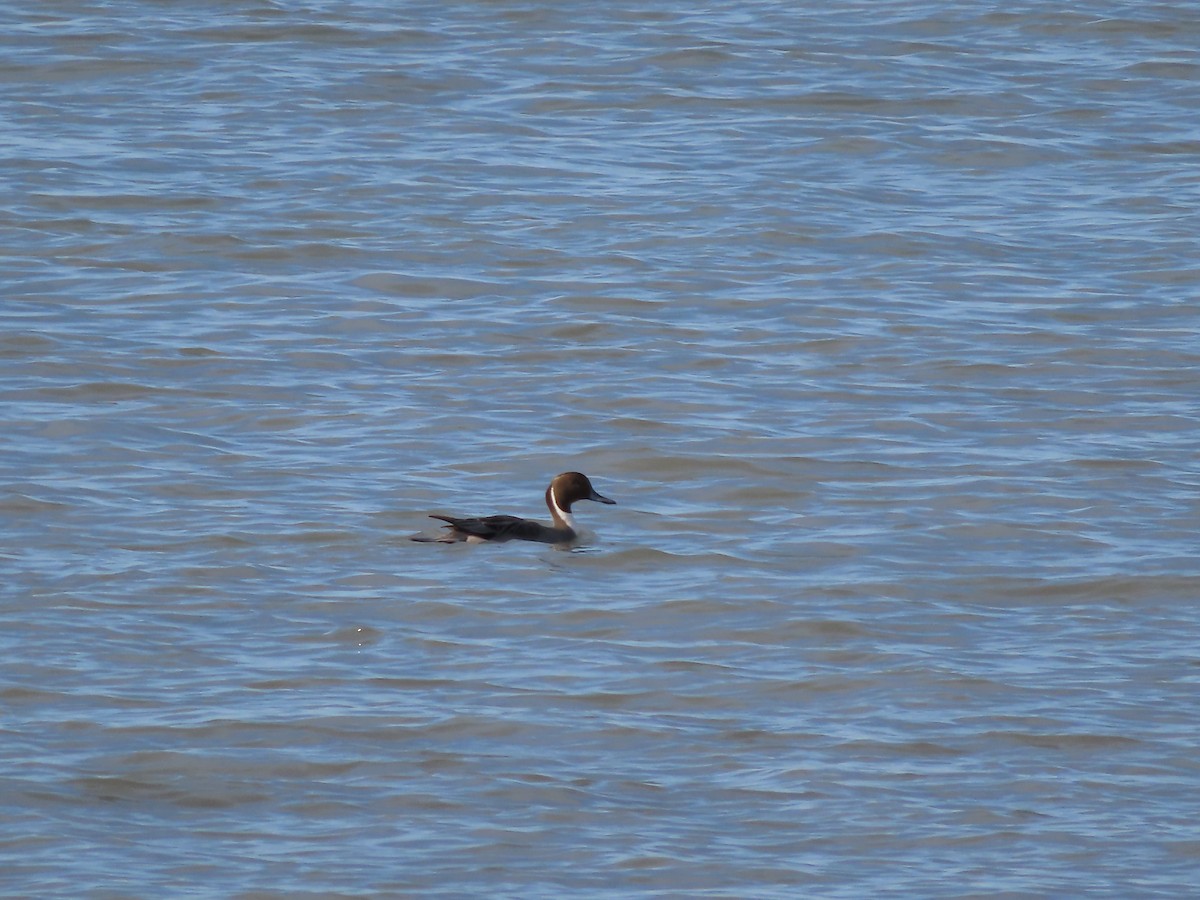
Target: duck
564,491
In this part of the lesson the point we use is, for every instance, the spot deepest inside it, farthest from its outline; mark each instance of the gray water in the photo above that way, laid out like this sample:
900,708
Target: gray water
878,321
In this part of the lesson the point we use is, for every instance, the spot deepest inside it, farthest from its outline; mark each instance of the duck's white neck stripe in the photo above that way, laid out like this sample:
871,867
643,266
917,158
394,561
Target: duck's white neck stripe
567,518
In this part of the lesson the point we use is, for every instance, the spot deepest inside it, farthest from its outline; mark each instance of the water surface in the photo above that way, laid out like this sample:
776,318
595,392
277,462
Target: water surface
877,320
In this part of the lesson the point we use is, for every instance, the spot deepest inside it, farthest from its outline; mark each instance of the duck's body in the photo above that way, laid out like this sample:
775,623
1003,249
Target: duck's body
563,491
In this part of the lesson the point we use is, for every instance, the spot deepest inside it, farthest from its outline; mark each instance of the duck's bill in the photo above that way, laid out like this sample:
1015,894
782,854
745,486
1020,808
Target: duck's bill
600,499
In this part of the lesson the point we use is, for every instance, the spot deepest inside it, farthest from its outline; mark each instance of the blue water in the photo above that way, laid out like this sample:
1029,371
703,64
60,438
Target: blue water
878,321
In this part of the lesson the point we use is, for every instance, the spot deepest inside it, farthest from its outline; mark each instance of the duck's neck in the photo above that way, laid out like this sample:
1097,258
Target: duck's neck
562,517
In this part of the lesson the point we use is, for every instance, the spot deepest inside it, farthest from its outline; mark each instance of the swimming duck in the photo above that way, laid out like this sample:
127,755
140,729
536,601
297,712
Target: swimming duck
563,491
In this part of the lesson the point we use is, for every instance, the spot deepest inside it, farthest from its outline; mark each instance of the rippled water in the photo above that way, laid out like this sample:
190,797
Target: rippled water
879,321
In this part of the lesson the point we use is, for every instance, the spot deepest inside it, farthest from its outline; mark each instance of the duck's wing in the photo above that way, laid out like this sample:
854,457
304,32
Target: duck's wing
491,528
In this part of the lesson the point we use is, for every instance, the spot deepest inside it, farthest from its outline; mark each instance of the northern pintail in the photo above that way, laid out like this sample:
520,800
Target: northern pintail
563,491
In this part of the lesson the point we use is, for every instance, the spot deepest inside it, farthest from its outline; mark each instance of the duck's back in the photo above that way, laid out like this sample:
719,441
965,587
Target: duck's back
498,529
